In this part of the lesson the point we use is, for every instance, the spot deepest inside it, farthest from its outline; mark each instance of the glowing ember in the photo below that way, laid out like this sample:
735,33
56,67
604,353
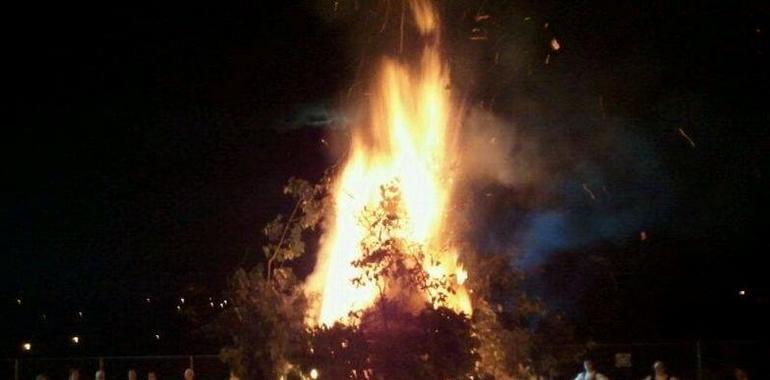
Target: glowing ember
407,143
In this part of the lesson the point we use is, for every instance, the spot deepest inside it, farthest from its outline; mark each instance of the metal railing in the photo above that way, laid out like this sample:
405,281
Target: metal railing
115,367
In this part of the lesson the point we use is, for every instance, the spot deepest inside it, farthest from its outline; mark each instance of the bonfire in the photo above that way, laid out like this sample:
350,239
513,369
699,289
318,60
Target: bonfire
390,296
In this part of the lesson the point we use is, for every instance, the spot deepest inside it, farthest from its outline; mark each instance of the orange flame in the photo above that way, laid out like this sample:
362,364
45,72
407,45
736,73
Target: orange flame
407,141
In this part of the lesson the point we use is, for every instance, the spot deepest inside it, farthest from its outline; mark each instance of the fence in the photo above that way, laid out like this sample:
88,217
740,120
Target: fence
687,361
207,367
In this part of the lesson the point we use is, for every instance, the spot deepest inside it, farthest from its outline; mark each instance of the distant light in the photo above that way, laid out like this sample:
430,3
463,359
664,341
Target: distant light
148,300
157,336
313,373
211,304
26,346
75,339
225,302
181,300
18,301
179,308
221,305
742,292
80,314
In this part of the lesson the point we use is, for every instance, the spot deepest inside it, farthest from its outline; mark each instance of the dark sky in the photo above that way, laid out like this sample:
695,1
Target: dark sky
145,147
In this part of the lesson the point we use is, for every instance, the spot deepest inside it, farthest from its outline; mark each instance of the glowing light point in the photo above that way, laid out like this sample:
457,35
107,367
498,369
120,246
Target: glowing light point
742,292
75,339
555,44
26,346
313,373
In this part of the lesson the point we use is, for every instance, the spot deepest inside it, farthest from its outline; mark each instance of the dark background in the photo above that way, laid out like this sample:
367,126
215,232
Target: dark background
144,148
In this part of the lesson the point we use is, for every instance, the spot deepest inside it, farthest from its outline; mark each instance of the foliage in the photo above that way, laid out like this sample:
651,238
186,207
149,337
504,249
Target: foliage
391,261
285,235
392,340
266,322
434,344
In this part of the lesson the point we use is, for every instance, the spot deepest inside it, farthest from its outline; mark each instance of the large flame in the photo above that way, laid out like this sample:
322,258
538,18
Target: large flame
406,142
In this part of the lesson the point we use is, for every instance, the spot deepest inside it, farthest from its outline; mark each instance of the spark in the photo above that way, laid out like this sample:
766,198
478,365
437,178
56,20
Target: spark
689,140
588,190
555,44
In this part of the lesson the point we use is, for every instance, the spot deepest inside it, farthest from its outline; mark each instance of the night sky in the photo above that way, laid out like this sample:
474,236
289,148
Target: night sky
145,147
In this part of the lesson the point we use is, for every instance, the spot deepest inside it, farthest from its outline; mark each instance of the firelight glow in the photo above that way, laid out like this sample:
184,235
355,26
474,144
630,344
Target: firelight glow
408,141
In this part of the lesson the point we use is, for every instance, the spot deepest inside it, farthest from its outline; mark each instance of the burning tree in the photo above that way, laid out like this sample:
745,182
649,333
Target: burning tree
390,297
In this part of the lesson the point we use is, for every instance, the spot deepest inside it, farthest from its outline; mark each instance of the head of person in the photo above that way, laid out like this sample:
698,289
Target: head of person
589,365
99,375
152,376
741,374
189,374
660,368
131,374
74,374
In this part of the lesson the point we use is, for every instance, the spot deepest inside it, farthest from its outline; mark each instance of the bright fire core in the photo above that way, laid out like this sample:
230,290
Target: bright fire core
407,141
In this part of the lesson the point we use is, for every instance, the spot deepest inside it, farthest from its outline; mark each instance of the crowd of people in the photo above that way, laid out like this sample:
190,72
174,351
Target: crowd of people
590,372
659,372
189,374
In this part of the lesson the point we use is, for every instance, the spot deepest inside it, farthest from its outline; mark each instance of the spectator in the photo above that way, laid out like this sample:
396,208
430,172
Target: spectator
131,374
74,374
99,375
151,376
590,372
41,376
189,374
741,374
660,372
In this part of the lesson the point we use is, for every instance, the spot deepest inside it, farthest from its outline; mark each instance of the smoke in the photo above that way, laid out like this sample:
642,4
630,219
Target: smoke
555,187
492,150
